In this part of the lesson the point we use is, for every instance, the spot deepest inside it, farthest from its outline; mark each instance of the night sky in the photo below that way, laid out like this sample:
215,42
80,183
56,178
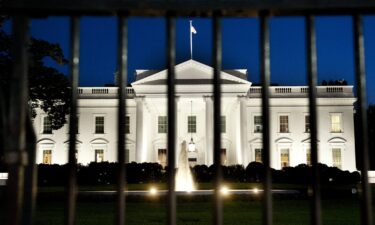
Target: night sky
147,39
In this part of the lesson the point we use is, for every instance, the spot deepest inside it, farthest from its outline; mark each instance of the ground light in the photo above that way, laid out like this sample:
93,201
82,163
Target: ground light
153,191
224,190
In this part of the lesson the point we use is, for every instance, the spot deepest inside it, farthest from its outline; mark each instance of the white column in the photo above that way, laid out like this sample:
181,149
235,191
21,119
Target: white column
243,132
139,130
209,130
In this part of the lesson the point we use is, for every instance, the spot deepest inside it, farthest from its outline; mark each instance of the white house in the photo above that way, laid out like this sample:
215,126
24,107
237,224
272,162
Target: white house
146,122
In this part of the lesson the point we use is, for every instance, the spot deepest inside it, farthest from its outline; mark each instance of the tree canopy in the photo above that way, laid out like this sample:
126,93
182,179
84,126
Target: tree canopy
48,87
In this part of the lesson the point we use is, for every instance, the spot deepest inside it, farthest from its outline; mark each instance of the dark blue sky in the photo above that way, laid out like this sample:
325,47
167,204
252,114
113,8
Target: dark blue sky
240,47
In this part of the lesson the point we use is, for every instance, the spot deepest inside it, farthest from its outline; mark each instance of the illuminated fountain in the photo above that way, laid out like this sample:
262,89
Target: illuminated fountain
184,178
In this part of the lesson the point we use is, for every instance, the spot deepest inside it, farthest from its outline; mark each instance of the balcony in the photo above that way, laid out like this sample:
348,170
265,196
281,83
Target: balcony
303,91
103,92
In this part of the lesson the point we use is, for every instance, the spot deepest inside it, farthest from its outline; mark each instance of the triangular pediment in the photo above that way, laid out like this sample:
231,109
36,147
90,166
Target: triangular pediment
190,72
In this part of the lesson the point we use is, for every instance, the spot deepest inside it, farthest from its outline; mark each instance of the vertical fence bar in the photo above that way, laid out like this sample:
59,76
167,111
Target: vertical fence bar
15,142
217,60
122,80
171,51
360,75
74,70
30,175
265,78
312,79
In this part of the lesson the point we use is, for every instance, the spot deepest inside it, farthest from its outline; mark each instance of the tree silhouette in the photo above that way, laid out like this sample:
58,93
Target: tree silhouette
48,87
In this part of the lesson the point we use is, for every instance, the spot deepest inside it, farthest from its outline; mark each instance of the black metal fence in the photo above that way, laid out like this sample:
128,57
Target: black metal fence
20,141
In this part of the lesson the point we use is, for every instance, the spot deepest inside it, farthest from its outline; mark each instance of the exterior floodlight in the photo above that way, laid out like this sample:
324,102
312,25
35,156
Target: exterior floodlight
224,190
255,190
153,191
191,146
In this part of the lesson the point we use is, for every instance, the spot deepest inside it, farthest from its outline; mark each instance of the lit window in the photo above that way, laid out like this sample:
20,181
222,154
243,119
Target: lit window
47,156
99,155
162,157
307,124
99,125
258,155
223,124
47,125
336,157
336,123
192,124
308,157
127,156
284,124
223,157
258,126
162,124
127,125
284,157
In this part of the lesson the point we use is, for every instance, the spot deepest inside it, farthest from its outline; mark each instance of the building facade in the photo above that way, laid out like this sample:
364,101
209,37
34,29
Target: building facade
241,122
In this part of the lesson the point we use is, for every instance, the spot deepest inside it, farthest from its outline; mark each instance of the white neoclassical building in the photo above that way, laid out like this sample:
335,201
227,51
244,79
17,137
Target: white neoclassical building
146,122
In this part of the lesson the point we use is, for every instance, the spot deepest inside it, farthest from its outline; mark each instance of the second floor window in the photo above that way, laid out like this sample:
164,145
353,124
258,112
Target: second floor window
99,125
336,123
258,126
192,124
47,125
284,124
307,124
127,125
162,124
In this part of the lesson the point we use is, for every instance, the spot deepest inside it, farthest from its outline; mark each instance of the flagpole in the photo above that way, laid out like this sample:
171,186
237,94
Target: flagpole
191,41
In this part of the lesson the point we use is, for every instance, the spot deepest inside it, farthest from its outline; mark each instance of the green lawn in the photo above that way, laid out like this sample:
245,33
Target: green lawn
191,211
194,210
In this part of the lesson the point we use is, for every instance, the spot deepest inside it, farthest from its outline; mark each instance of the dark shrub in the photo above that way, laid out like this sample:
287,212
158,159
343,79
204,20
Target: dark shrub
234,173
254,172
52,175
202,174
97,173
132,172
106,173
298,175
149,172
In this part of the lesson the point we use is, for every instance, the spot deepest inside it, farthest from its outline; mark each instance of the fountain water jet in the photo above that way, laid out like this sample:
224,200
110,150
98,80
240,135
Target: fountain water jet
184,178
